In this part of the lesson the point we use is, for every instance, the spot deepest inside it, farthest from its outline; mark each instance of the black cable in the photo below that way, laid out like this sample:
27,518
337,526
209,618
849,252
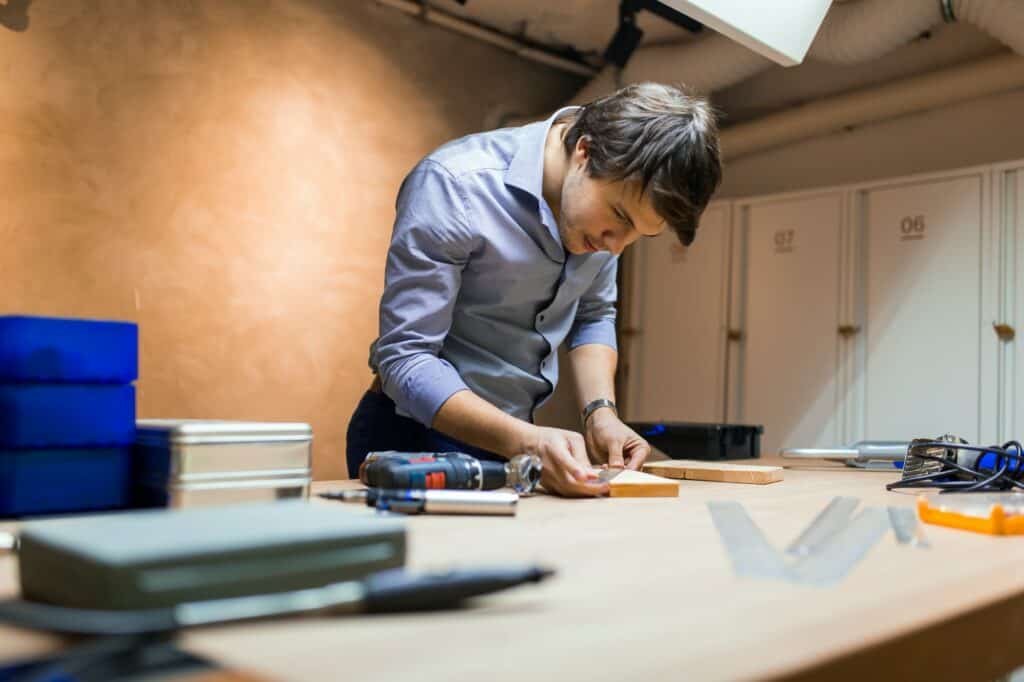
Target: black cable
1006,472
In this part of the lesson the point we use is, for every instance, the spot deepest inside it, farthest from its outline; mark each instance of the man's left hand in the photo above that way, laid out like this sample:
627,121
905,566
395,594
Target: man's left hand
612,442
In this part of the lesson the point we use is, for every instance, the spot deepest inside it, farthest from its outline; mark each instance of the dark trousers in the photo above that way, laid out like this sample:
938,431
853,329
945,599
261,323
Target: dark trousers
375,426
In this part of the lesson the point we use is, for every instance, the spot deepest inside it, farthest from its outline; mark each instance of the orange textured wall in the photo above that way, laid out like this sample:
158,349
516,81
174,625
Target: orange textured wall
223,172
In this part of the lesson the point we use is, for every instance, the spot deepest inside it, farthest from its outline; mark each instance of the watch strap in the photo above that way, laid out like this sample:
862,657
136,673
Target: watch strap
595,405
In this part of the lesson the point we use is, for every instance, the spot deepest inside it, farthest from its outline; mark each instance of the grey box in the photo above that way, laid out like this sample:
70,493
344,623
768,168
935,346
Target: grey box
160,557
192,463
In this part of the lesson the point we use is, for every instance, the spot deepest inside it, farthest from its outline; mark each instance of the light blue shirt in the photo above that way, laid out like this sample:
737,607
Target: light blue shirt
479,292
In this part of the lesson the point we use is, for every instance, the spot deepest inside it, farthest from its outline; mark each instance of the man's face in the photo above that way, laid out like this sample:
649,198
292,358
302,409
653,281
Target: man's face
597,215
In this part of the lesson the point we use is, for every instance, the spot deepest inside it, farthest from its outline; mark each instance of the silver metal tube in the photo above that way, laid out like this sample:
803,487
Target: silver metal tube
470,502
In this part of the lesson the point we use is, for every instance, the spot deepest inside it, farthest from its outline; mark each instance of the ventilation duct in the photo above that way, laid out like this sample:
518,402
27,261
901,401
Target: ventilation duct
854,32
851,33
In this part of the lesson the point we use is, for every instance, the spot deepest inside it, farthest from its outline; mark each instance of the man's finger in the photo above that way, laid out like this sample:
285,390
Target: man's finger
570,464
615,455
594,453
638,453
578,448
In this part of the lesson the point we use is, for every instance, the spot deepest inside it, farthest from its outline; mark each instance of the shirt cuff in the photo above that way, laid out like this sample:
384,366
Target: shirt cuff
593,331
421,386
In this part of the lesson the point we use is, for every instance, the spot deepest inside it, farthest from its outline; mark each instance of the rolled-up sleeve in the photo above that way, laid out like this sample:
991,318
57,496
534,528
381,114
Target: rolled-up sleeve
430,246
595,316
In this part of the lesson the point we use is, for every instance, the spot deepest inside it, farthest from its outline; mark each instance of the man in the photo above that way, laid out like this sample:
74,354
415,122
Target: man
505,245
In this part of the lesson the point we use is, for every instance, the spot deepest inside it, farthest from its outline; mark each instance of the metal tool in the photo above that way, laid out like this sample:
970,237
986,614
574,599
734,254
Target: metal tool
827,523
606,475
750,552
476,502
448,470
906,528
882,455
844,550
951,464
827,550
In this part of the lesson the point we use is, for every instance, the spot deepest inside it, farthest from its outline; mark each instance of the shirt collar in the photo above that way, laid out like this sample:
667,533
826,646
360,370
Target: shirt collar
526,170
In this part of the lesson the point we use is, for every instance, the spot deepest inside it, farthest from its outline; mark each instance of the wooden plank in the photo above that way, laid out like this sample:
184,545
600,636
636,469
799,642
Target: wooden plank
638,484
720,472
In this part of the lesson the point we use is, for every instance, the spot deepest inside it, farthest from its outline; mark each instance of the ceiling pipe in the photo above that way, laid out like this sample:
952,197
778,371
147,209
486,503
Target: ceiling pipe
487,35
911,95
853,32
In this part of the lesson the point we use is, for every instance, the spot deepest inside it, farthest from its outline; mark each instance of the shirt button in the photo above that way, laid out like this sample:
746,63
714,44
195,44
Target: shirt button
540,318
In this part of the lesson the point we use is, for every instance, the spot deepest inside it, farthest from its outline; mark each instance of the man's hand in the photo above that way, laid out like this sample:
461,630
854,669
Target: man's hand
567,470
609,440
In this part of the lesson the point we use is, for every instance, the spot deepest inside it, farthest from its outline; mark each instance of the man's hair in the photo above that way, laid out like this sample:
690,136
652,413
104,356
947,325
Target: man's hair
660,137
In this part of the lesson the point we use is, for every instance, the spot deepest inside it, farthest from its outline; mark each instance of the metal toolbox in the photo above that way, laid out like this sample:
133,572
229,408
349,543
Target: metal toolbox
194,463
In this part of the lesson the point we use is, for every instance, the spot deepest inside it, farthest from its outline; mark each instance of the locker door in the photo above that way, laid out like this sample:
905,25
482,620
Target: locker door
1012,215
923,307
788,364
677,371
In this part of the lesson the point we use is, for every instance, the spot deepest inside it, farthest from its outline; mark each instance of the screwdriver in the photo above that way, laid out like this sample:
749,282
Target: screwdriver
431,501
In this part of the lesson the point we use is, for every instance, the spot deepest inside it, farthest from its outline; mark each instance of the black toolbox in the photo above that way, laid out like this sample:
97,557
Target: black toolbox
690,440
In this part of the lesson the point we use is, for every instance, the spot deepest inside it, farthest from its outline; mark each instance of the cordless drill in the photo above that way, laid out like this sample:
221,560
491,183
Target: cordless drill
449,470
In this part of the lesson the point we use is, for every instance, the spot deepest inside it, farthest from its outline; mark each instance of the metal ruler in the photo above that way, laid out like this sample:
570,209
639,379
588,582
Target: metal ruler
844,550
906,528
750,552
822,554
827,523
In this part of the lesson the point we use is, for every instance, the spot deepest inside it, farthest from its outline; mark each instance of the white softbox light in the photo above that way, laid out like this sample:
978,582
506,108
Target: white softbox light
781,30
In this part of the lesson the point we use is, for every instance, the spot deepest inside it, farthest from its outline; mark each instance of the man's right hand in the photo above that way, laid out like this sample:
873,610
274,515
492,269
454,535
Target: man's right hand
567,469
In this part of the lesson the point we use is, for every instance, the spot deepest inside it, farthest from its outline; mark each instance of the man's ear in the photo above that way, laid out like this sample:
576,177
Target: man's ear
582,151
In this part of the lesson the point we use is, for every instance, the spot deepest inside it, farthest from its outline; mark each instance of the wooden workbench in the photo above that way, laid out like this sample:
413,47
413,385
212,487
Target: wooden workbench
645,591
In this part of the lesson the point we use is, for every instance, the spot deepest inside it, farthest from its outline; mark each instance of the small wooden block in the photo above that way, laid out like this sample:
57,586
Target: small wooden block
693,470
638,484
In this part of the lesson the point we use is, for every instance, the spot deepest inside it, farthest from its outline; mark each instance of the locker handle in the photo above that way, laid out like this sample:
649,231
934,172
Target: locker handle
734,334
848,330
1004,331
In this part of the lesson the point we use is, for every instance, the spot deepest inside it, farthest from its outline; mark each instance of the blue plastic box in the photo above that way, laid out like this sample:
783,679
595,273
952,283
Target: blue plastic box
59,481
56,350
66,416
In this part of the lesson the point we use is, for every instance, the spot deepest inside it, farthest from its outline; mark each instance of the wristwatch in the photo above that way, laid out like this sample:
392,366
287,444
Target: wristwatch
595,405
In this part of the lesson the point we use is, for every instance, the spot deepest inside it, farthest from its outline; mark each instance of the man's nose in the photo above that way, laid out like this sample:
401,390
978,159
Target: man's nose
616,240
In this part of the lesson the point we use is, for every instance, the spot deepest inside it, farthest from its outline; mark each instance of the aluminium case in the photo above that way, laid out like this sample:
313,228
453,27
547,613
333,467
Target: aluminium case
194,463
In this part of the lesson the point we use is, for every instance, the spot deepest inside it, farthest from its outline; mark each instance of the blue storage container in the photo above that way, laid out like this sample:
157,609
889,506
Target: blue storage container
56,350
61,481
66,415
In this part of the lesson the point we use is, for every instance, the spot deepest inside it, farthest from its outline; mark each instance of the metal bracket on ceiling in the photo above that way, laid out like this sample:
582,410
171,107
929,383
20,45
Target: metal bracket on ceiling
628,35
